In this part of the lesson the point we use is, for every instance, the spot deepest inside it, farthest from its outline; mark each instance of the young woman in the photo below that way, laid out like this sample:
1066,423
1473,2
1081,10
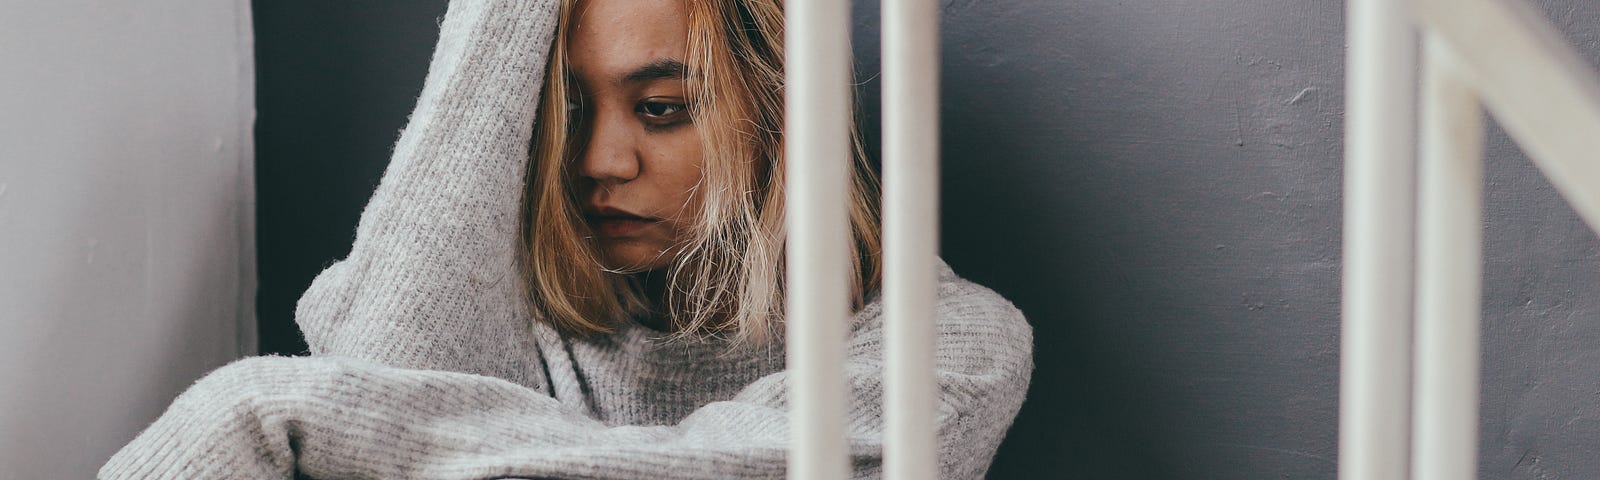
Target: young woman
583,284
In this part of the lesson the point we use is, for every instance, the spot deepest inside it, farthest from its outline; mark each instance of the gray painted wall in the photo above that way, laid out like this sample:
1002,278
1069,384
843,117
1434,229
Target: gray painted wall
1157,184
126,222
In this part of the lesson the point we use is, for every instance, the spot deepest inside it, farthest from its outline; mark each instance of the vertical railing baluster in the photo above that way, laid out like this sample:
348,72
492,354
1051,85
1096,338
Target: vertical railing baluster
1379,205
910,235
1449,271
817,98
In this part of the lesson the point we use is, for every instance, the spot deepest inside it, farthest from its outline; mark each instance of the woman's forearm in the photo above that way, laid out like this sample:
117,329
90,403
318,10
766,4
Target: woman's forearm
330,417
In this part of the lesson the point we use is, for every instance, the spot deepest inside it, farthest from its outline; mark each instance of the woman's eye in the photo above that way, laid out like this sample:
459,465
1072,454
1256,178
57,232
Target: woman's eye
659,110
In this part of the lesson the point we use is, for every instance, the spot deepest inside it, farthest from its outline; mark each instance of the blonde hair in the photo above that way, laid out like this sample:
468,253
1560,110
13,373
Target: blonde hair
726,278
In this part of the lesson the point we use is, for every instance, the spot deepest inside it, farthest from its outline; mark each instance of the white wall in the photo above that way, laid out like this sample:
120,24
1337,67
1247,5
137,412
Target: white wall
126,218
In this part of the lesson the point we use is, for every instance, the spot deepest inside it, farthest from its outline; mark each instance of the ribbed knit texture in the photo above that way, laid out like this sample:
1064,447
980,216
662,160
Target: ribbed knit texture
427,363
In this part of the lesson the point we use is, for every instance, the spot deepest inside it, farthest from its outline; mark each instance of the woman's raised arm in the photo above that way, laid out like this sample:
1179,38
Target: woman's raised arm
427,283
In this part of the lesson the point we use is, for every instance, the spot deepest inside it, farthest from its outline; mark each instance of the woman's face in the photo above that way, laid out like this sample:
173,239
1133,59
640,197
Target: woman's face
639,154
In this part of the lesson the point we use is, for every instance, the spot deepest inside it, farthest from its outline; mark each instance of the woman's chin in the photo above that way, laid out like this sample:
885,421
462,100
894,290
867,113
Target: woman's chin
631,258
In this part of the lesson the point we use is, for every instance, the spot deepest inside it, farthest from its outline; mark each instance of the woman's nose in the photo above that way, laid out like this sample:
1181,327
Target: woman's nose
609,155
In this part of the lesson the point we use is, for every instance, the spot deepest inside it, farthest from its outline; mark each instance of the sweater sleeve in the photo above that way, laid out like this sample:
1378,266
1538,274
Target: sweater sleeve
330,417
436,242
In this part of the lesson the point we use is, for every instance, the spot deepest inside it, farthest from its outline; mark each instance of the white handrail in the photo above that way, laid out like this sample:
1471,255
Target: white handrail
1534,84
1504,54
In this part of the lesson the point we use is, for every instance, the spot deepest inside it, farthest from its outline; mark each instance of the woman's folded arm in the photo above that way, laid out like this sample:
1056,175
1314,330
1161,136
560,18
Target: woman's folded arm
330,417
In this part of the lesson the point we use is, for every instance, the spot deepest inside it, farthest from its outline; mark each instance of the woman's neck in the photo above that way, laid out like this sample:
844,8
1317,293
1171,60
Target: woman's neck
654,287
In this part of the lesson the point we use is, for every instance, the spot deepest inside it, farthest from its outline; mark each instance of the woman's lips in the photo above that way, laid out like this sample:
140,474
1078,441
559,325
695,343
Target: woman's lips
613,222
609,226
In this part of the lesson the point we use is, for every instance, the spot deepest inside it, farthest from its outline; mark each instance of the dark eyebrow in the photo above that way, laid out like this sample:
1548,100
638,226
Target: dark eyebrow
657,70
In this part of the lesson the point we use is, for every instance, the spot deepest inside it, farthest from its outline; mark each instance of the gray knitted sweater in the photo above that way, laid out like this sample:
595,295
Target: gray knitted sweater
428,364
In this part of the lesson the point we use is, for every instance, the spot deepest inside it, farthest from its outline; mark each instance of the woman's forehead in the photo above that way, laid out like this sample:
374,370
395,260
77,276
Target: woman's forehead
611,40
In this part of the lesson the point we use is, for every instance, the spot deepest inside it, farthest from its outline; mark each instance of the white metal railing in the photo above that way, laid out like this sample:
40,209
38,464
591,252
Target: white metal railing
817,96
817,111
1397,422
910,235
